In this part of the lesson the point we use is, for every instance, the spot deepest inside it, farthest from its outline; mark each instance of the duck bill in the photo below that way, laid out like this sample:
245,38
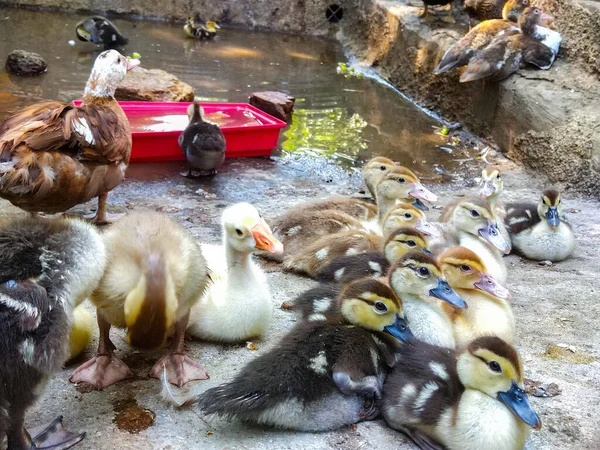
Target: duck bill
427,229
426,251
552,217
399,329
488,284
265,240
419,204
82,34
444,292
486,189
131,63
517,401
421,193
491,234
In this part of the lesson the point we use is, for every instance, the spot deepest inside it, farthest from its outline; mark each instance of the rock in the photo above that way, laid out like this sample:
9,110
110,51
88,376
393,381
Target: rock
25,63
277,104
154,85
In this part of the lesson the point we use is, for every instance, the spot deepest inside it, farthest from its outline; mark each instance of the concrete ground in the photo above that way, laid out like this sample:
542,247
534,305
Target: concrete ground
554,306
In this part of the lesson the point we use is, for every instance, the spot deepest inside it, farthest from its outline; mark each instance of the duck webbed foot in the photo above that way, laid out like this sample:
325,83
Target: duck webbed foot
179,367
53,436
102,217
423,441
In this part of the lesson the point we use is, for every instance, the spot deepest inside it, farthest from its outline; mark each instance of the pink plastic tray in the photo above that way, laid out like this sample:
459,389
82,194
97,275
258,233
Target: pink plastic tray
256,139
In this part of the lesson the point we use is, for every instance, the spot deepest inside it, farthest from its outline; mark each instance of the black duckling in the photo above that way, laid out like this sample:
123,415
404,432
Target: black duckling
100,31
197,28
46,268
537,231
471,400
507,52
202,142
322,375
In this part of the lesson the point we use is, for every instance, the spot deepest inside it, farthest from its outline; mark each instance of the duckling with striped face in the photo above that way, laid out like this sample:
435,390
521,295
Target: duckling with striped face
406,215
489,311
418,280
376,263
539,233
322,375
374,171
471,400
476,228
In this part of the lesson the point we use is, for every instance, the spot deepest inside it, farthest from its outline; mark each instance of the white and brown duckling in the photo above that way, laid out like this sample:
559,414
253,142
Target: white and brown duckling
100,31
468,400
47,267
475,226
376,263
505,54
236,305
54,155
480,36
155,273
322,375
419,281
489,312
537,231
202,143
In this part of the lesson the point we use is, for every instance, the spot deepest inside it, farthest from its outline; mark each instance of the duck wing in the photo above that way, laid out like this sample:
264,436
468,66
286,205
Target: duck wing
520,216
497,61
537,53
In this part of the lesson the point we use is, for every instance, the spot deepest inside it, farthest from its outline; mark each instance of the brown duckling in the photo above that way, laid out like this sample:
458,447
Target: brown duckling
374,170
322,375
507,52
480,36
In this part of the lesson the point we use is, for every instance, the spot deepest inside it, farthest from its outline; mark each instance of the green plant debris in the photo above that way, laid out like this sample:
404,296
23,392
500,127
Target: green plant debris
561,353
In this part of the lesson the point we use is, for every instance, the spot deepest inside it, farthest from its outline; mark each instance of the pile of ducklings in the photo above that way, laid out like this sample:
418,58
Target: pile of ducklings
410,321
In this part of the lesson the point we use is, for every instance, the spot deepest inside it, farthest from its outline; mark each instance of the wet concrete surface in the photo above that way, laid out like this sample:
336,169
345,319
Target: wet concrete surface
553,305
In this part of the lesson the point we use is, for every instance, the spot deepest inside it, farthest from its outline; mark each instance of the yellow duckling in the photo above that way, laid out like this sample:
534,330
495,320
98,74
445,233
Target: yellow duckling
82,331
489,312
472,400
195,28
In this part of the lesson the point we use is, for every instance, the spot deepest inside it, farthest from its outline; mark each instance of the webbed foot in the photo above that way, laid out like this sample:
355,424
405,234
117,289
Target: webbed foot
53,436
180,369
102,219
423,441
101,371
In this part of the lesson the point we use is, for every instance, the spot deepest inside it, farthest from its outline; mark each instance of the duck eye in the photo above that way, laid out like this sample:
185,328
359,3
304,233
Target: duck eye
498,176
401,180
495,367
239,232
411,243
423,271
380,307
382,168
465,268
474,213
408,215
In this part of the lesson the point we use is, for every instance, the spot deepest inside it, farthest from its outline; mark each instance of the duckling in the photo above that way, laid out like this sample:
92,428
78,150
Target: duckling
473,225
480,36
541,235
81,331
376,264
505,54
202,142
196,28
237,305
156,273
418,280
47,267
100,31
322,375
406,215
489,311
470,400
209,30
374,170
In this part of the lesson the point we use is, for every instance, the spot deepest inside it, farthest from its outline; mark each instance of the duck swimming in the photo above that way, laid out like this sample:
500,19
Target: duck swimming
100,31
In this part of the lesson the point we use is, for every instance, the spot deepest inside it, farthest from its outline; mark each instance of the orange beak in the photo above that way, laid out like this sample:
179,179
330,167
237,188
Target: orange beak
265,240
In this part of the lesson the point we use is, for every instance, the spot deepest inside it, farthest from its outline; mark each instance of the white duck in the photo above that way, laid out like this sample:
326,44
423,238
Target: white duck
237,304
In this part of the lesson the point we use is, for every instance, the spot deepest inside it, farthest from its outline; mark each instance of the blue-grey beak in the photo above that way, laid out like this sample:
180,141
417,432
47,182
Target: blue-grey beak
419,204
400,329
444,292
517,401
426,251
552,217
491,234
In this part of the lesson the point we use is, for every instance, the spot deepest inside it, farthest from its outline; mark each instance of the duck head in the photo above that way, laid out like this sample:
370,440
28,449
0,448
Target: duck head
493,367
403,240
490,182
418,273
513,8
401,184
374,170
474,216
211,26
530,18
110,68
372,305
550,208
465,270
245,231
195,112
407,215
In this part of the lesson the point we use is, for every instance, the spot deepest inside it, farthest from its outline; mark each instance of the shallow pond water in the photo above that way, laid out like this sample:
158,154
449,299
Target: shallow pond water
344,119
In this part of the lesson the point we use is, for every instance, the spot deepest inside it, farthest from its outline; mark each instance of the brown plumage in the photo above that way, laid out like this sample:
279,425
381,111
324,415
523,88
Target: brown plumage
485,9
54,155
